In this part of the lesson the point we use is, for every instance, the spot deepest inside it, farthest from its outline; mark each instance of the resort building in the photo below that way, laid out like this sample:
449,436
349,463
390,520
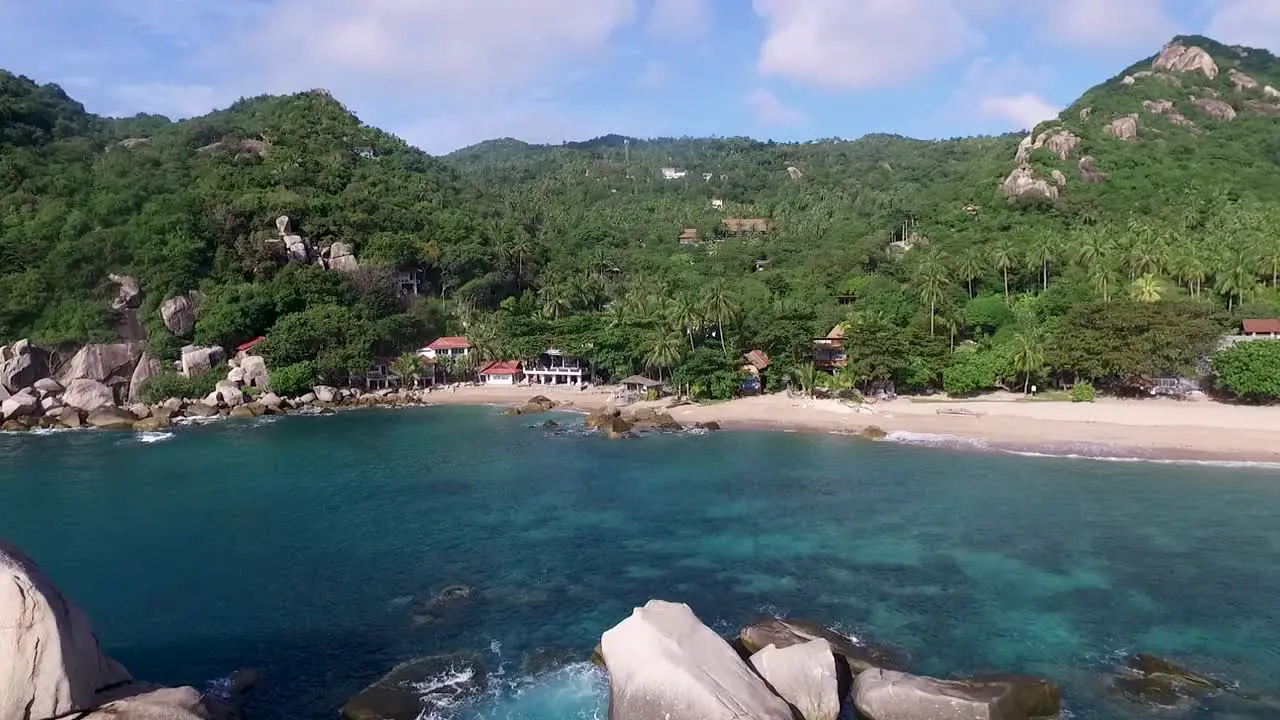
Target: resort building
828,352
446,347
689,236
502,372
737,227
553,367
1259,327
672,173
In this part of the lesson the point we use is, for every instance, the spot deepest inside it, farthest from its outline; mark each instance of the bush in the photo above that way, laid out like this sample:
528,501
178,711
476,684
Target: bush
1083,392
158,388
294,380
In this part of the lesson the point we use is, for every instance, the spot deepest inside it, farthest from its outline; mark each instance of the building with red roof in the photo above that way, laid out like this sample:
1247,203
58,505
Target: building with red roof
1267,327
451,346
246,347
502,372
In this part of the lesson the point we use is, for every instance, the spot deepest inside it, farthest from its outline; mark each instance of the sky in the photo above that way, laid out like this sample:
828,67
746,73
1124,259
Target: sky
444,74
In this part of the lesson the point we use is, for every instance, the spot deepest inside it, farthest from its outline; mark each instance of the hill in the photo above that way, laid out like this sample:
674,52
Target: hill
963,263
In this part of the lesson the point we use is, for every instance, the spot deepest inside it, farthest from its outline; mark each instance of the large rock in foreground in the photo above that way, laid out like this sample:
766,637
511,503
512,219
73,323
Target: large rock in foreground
183,703
891,695
804,675
785,633
87,395
1153,679
417,689
664,664
103,363
50,660
21,365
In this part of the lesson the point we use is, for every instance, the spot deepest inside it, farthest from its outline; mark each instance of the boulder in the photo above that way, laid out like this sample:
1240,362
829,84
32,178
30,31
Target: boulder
1241,81
710,426
51,403
1059,141
243,412
1024,183
4,393
173,405
804,675
155,423
255,372
537,404
21,365
597,419
783,633
1058,178
306,399
615,428
1216,109
1088,172
1031,697
874,432
200,410
140,411
1123,128
87,394
891,695
341,256
1176,57
110,417
1159,107
128,294
297,249
1154,679
1086,113
418,689
226,393
199,360
53,666
47,386
69,417
235,375
657,421
325,393
664,664
110,364
179,313
147,368
1271,92
183,703
21,405
271,400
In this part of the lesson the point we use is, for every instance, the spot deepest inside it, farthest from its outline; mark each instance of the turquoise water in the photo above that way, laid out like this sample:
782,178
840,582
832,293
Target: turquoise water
295,545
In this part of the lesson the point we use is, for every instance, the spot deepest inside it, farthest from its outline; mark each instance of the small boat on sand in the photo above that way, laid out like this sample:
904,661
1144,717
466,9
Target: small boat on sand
960,411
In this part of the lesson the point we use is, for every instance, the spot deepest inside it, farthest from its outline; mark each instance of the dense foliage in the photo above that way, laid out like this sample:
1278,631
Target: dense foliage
1250,370
938,280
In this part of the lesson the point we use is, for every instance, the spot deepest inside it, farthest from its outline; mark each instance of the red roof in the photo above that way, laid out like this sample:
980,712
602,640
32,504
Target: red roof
1262,326
249,345
502,367
449,343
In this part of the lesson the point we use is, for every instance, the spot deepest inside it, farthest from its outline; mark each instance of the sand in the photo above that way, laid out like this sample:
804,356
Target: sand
1154,428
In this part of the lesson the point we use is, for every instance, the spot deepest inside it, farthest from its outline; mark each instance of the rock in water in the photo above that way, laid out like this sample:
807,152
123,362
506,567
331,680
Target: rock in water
50,661
785,633
804,675
110,417
537,404
664,664
417,689
447,601
891,695
1154,679
182,703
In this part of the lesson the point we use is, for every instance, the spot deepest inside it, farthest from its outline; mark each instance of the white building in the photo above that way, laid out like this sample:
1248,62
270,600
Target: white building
445,347
502,372
670,173
553,367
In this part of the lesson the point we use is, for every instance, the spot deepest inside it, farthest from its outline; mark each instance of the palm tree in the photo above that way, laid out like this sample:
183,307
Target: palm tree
970,266
515,250
1028,358
685,317
1237,276
1194,271
1004,255
1101,275
931,277
1093,250
720,309
807,377
1270,256
664,352
408,367
1044,250
556,300
1146,289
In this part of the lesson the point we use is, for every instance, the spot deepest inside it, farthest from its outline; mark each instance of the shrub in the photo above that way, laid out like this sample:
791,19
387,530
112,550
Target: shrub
293,380
159,388
1083,392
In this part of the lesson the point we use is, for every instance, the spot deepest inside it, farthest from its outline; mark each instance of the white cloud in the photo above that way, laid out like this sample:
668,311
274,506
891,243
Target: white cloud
856,44
1120,25
1023,111
769,110
1255,23
680,19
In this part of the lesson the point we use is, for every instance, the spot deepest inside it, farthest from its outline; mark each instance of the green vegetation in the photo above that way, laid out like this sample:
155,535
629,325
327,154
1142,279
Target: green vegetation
294,380
1083,392
159,388
939,280
1250,370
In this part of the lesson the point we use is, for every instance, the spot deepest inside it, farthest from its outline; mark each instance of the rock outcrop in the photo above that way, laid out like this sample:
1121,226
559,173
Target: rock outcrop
128,294
199,360
804,675
418,689
890,695
340,256
1088,172
1086,113
1024,183
1179,58
1058,141
109,364
1241,81
1215,109
147,368
664,664
50,660
21,365
180,313
87,395
1151,678
1167,109
1123,128
784,633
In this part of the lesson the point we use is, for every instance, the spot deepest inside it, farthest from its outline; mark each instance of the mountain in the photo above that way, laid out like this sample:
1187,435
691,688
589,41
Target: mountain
1159,183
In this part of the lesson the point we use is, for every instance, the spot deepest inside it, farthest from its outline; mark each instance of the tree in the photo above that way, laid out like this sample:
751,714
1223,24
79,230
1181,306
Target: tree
1004,255
1250,370
409,368
664,351
807,377
970,266
931,278
1146,289
686,318
1027,357
721,310
1237,276
1044,250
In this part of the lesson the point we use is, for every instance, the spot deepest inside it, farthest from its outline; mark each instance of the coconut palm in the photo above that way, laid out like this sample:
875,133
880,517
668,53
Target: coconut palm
1269,254
807,377
1237,276
1103,277
1095,249
970,266
664,351
1027,358
720,309
1146,289
408,367
686,318
1044,251
1004,255
931,279
556,300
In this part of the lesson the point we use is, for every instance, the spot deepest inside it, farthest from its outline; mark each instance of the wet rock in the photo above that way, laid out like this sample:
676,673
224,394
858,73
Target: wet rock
418,688
200,410
890,695
140,411
655,420
1154,679
597,419
111,418
154,423
615,428
1029,697
710,426
550,425
804,675
873,432
784,633
446,602
537,404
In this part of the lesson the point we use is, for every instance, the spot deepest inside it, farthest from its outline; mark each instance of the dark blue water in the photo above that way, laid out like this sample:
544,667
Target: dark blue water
295,546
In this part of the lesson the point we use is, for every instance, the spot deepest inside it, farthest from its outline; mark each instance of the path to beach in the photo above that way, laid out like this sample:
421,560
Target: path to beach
1149,428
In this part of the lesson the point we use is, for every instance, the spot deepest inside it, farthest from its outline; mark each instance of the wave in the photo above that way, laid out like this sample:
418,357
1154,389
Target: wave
153,437
936,440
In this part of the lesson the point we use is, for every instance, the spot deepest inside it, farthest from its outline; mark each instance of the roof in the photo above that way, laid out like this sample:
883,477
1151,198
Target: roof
1261,325
643,381
837,333
453,342
746,224
249,345
502,367
689,234
758,359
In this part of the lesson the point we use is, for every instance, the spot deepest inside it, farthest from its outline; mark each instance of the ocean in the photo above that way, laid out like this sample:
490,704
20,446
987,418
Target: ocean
299,547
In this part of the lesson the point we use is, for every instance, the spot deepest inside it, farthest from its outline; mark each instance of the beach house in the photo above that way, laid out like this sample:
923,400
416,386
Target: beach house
502,372
554,367
828,352
1260,328
446,347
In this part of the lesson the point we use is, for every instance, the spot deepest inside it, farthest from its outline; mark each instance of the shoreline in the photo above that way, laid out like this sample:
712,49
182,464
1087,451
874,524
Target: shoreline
1151,430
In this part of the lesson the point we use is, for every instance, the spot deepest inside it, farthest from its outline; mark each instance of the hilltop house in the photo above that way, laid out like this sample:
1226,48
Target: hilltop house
737,227
689,236
553,367
409,281
502,372
446,347
671,173
828,352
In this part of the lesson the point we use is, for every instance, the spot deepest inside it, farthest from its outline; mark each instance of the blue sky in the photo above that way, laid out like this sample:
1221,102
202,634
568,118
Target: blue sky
447,73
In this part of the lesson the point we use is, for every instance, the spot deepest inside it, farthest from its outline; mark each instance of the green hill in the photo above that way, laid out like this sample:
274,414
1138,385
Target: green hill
975,259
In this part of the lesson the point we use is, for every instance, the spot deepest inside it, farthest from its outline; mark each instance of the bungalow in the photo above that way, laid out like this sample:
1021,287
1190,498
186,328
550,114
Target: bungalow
1258,327
502,372
756,363
828,352
244,348
409,281
446,347
380,375
553,367
641,385
744,226
689,236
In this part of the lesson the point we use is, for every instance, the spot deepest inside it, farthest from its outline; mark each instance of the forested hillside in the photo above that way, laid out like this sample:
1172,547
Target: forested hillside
1114,244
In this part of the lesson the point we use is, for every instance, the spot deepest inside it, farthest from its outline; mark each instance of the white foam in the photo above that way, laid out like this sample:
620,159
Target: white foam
154,437
935,440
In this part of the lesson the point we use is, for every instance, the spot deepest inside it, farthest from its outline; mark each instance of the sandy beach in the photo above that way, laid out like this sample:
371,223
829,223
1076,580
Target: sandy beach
1153,428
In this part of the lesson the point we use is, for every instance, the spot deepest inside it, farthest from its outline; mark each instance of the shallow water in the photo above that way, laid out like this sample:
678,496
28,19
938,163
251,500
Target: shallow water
295,546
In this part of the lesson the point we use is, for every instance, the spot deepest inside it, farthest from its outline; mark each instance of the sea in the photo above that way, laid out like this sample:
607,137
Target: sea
301,546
